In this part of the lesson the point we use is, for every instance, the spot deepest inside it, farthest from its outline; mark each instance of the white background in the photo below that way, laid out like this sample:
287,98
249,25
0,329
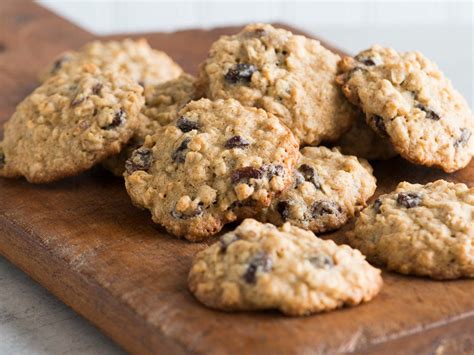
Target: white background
34,322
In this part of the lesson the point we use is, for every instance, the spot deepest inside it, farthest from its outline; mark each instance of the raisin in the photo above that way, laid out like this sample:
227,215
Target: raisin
463,138
310,175
274,170
430,114
321,208
368,61
77,100
380,125
59,63
237,142
140,159
283,208
179,155
186,125
298,178
240,73
260,261
96,89
248,202
246,174
377,205
196,213
226,240
118,120
408,199
322,261
2,160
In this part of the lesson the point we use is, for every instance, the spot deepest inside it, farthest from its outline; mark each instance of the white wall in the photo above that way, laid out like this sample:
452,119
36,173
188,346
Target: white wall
442,30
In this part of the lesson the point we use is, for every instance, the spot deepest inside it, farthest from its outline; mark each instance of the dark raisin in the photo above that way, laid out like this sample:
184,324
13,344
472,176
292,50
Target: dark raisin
179,155
430,114
260,262
298,178
322,261
118,120
245,174
226,240
408,199
196,213
322,208
283,208
96,89
2,160
140,159
463,138
237,142
365,60
240,73
186,125
244,203
310,175
59,63
274,170
77,100
380,125
377,205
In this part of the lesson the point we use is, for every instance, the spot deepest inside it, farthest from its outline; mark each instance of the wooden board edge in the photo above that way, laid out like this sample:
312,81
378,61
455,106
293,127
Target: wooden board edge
76,291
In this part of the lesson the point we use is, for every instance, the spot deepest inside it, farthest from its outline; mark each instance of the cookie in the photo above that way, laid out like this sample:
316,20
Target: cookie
362,141
219,162
162,103
291,76
137,59
328,189
425,230
70,123
409,101
259,266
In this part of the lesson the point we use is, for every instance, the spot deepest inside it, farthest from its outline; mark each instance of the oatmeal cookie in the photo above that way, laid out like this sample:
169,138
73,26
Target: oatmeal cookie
137,59
420,229
291,76
259,266
218,162
409,101
328,189
70,123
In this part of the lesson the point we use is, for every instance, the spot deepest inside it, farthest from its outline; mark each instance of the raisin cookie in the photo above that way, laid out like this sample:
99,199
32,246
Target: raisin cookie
408,101
137,59
328,189
70,123
420,229
162,103
362,141
259,266
219,162
291,76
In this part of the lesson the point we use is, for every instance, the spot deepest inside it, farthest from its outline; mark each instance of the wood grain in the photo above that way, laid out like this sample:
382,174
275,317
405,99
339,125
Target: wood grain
83,240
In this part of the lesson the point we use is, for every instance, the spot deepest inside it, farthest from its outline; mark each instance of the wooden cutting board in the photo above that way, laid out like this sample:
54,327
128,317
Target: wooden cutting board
83,240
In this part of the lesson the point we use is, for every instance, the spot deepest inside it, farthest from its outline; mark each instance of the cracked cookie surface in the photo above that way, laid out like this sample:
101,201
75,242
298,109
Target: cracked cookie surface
136,59
328,189
219,161
162,103
423,230
259,266
409,101
291,76
70,123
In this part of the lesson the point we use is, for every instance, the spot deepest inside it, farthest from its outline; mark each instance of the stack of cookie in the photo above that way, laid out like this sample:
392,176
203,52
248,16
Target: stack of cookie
245,140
